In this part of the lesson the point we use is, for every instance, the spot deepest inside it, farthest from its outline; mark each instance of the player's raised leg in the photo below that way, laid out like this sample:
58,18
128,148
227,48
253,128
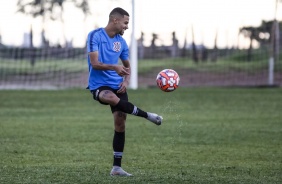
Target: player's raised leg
154,118
109,97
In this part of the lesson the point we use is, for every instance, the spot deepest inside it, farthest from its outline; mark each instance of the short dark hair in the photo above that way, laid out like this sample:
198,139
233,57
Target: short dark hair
119,11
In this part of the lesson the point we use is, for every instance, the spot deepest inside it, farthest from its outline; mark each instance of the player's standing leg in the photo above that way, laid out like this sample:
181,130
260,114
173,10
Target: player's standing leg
120,108
118,143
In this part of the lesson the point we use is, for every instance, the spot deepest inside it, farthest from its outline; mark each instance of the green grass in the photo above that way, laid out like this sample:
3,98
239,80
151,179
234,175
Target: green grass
221,66
10,67
234,62
209,135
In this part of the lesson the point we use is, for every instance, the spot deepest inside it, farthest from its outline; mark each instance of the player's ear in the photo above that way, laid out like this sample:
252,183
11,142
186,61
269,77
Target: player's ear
115,20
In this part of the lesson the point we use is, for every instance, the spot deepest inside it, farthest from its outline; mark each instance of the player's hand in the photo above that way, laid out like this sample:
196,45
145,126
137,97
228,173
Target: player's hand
121,70
122,87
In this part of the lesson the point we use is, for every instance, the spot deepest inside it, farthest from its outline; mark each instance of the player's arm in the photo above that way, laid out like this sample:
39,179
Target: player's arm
125,82
121,70
126,64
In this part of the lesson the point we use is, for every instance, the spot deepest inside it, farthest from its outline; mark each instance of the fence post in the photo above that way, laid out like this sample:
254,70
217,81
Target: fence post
270,71
133,54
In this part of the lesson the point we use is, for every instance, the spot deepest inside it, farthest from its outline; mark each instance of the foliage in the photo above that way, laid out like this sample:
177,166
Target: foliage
260,54
37,8
262,33
22,67
236,63
209,135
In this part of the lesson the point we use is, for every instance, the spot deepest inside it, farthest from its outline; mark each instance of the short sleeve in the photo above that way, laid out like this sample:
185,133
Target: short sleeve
125,51
93,41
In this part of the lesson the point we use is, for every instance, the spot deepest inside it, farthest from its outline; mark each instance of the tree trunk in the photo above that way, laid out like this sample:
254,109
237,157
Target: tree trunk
32,50
194,49
250,49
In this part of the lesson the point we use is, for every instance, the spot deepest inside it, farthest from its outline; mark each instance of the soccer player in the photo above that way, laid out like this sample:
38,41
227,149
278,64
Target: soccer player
108,79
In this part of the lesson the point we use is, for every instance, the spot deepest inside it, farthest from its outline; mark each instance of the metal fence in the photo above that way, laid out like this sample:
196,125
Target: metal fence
58,68
42,68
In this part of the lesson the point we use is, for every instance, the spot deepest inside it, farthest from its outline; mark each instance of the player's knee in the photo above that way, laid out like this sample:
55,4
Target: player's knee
120,118
119,126
109,97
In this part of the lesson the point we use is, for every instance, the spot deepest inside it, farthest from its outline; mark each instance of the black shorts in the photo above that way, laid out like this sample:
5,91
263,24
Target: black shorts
96,92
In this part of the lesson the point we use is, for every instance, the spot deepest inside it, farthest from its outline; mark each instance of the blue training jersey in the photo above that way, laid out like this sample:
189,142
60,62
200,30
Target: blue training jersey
109,52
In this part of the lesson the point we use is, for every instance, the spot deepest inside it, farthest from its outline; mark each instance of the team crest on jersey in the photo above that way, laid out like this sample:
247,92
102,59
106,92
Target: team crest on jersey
116,46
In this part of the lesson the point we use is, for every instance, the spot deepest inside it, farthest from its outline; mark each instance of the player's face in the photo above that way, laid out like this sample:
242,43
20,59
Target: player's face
122,24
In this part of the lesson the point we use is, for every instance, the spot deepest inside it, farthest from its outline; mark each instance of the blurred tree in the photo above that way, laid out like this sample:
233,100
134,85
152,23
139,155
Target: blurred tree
153,45
194,48
266,34
52,9
263,34
215,49
249,32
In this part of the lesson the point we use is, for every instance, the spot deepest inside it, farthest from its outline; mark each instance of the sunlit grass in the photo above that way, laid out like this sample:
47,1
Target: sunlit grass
9,66
220,66
209,135
233,62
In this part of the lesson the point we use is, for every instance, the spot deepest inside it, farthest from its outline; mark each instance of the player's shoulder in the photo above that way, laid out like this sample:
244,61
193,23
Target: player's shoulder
95,32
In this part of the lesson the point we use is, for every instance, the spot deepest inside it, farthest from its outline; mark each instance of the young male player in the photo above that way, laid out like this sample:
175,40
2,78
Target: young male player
108,80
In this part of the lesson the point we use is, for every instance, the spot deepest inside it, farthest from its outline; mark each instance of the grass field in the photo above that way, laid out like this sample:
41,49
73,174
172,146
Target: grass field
209,135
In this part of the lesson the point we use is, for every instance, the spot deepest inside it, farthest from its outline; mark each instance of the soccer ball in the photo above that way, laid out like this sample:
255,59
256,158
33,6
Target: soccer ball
168,80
